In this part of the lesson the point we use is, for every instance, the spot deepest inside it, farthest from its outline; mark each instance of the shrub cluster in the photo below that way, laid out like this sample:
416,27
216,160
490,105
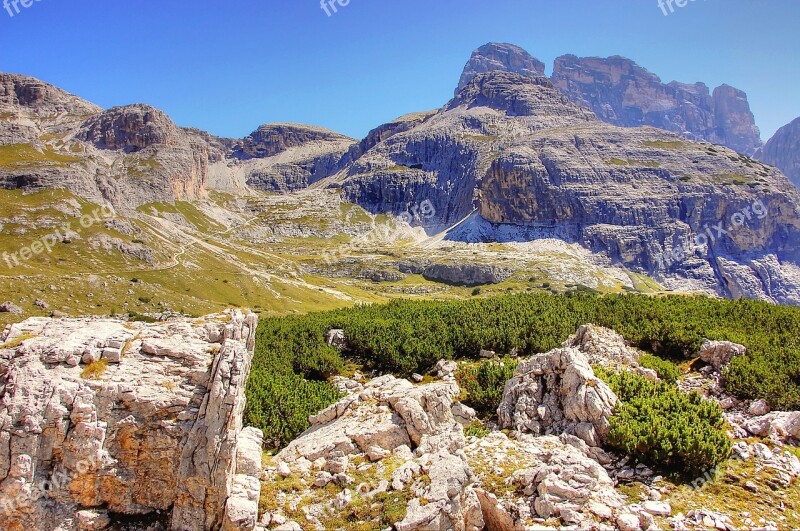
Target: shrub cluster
660,425
483,383
666,370
292,361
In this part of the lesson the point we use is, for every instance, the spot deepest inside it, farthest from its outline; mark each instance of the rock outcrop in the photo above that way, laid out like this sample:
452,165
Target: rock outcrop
623,93
103,421
556,393
495,57
467,274
783,151
402,441
283,158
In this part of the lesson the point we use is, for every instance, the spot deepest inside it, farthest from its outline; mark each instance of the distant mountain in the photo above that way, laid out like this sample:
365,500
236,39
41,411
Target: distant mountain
783,151
495,56
510,158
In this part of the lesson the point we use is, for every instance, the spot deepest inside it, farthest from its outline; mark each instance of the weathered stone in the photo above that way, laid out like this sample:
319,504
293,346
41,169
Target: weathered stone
720,353
148,435
558,393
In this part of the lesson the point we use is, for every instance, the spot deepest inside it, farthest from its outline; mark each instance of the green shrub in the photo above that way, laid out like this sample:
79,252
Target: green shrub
660,425
408,336
666,370
483,384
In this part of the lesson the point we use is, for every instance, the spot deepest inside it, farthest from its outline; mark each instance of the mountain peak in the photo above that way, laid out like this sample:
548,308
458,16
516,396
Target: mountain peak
502,57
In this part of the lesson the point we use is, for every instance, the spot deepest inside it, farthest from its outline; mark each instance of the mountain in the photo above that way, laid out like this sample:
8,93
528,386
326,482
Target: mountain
506,57
510,158
783,151
623,93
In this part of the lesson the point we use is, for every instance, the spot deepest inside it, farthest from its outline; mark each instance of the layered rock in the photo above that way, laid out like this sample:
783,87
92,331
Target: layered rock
495,57
467,274
282,158
783,151
30,108
511,159
127,422
557,393
623,93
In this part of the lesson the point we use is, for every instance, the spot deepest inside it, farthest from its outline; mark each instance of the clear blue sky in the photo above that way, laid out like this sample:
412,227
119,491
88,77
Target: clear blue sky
228,66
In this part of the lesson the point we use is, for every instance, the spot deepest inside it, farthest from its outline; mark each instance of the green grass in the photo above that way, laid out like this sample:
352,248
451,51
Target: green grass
661,144
23,156
633,163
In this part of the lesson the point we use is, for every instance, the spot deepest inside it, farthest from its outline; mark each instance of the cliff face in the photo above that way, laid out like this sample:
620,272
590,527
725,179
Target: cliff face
494,57
783,151
125,422
282,158
623,93
528,162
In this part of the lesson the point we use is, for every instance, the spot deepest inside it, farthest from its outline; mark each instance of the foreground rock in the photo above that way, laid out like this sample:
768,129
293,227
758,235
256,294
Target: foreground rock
557,393
402,442
531,479
103,420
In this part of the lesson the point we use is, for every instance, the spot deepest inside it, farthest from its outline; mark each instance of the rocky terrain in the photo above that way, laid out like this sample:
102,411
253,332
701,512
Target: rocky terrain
783,151
393,453
106,423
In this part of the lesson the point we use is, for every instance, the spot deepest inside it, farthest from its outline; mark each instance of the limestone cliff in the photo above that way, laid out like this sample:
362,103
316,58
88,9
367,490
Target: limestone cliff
103,422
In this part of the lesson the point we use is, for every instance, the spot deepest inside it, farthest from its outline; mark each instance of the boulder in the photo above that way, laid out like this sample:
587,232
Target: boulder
556,393
158,433
720,353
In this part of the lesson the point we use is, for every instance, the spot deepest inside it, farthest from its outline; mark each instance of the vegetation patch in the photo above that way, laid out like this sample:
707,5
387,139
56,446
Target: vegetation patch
660,425
95,370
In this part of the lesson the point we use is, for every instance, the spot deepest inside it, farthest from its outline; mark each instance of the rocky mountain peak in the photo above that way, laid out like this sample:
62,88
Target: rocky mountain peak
516,95
783,151
37,96
271,139
494,57
623,93
130,128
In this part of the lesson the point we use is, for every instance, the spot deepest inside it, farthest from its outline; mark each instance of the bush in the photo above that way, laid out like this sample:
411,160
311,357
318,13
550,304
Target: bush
409,336
666,370
660,425
483,384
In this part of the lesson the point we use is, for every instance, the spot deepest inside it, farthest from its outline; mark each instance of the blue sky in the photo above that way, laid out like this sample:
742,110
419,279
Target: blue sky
227,67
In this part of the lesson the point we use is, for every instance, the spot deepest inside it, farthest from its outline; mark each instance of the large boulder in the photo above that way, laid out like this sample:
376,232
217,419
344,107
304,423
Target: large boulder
127,420
720,353
557,393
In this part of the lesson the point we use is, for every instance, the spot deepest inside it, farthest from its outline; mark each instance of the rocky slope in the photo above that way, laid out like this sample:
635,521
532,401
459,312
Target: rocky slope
108,423
281,158
133,155
511,159
783,151
393,454
623,93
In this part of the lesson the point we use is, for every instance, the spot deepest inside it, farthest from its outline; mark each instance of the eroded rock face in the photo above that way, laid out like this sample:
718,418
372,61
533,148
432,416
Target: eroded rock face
389,424
623,93
557,393
495,57
467,274
783,151
127,419
510,158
